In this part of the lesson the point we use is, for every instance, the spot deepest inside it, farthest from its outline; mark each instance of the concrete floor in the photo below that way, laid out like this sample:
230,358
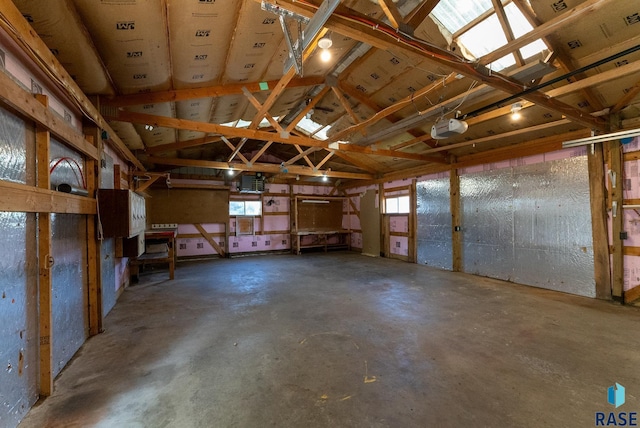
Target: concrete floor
340,339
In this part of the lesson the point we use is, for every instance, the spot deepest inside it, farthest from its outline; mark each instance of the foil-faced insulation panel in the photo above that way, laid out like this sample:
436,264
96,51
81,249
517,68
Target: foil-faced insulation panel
69,289
530,224
66,166
434,223
14,150
107,247
18,316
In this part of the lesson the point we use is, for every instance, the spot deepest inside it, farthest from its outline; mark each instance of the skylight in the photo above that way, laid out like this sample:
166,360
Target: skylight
455,14
486,35
313,129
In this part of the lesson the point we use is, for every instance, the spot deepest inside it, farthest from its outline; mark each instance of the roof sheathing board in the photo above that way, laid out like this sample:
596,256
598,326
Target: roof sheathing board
200,35
132,37
72,47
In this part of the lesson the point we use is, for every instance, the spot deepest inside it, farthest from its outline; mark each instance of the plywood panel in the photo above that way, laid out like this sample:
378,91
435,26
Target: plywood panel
188,206
320,216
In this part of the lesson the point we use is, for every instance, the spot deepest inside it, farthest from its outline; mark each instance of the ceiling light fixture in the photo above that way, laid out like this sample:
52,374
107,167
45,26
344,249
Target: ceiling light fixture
324,177
325,43
230,172
515,111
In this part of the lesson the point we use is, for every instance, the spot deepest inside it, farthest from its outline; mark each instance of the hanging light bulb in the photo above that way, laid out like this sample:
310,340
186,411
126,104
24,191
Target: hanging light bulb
515,111
230,172
324,177
325,43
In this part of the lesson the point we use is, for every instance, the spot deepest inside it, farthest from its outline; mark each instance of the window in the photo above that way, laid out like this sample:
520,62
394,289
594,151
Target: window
397,205
253,208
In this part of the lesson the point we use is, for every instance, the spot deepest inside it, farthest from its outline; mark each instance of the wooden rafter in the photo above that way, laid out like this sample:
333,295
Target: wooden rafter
235,150
315,100
262,167
375,36
326,158
392,13
345,104
230,132
260,152
627,98
548,27
197,142
506,27
420,13
254,102
302,154
207,92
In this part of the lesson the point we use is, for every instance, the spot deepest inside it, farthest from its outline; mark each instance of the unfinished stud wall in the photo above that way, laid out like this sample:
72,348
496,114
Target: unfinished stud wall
69,273
530,224
434,222
18,279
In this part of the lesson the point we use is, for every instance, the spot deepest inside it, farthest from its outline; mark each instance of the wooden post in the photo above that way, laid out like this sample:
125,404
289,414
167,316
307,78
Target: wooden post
43,139
383,244
456,221
616,198
599,221
94,253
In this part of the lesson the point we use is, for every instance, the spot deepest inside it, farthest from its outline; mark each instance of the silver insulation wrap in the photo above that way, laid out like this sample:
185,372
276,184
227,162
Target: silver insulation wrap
531,225
434,223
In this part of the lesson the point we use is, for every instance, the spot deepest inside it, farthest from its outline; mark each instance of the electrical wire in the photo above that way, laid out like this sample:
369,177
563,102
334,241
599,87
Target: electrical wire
71,162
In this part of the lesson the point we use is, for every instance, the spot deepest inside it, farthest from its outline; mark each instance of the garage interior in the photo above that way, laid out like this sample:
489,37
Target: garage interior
352,213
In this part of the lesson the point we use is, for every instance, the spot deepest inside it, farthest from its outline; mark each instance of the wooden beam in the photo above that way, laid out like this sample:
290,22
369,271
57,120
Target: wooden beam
94,253
557,23
315,100
345,104
235,149
632,294
23,101
16,197
210,240
597,79
325,159
146,184
260,152
45,257
256,104
392,13
599,226
373,150
302,154
208,92
261,167
420,13
361,162
380,35
506,27
627,98
197,142
17,27
616,197
381,114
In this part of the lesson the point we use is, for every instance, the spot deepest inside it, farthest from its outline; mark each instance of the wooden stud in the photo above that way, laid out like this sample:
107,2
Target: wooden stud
209,237
94,253
599,227
616,197
46,261
117,183
456,221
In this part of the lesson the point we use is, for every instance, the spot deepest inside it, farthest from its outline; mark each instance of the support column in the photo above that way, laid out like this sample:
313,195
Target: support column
599,228
45,261
94,250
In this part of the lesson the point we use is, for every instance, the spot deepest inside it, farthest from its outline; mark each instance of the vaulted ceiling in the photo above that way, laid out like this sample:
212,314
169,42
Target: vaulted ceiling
208,85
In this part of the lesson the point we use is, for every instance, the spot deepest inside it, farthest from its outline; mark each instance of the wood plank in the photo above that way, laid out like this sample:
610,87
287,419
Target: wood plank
599,222
420,13
210,240
624,101
94,253
616,196
392,13
632,295
16,197
506,27
557,23
45,311
17,27
377,36
259,167
207,92
197,142
631,156
456,221
310,105
345,104
23,101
